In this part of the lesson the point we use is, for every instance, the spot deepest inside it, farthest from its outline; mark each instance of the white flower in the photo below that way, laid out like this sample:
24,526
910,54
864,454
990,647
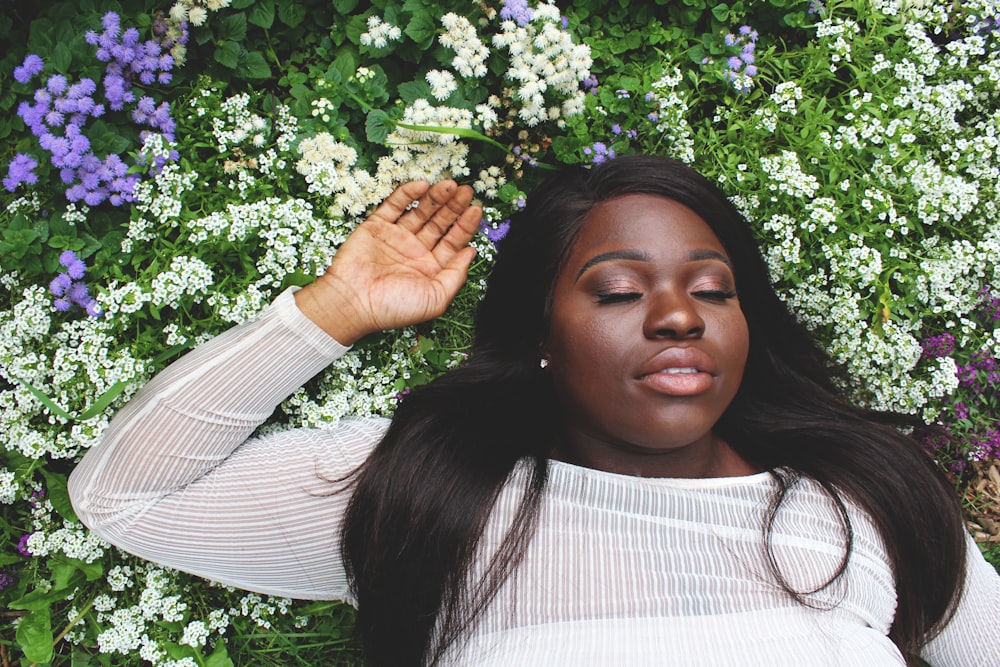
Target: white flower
442,83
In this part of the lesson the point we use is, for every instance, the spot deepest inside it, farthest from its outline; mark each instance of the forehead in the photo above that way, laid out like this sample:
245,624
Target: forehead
647,222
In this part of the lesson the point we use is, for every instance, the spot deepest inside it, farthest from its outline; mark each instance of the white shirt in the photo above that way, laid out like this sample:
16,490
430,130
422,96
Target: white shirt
621,570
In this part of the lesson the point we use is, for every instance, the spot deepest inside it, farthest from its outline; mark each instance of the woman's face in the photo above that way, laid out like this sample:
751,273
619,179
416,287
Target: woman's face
647,342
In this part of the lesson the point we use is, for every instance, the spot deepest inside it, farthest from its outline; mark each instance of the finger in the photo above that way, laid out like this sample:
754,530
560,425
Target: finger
459,235
395,204
456,272
437,226
429,204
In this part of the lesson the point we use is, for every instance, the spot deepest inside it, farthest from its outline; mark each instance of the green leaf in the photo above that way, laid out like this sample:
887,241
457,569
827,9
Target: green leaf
414,90
254,66
233,28
55,485
262,14
422,29
227,54
345,7
291,14
39,599
103,401
34,634
721,12
220,657
377,126
62,57
46,401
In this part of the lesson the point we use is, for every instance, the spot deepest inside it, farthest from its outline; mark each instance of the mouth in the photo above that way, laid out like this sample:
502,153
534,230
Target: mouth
679,371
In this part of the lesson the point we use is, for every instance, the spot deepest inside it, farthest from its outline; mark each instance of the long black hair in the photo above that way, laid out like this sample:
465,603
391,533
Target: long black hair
424,496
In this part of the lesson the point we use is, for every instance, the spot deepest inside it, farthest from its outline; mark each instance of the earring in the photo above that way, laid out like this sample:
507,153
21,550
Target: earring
543,362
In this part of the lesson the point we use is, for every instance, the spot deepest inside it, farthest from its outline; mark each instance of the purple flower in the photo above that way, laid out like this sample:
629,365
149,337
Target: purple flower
20,170
60,284
937,346
31,66
734,63
6,579
495,235
751,70
78,294
616,129
517,11
22,545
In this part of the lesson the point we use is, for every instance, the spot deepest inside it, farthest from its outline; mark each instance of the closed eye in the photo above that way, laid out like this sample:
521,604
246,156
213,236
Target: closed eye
617,297
715,295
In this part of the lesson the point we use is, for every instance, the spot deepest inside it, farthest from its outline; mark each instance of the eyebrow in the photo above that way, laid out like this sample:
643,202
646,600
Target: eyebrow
698,255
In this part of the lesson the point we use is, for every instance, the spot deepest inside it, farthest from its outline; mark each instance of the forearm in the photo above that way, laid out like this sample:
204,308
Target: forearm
197,411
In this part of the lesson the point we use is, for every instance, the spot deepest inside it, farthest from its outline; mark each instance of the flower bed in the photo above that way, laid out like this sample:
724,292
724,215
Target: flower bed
167,170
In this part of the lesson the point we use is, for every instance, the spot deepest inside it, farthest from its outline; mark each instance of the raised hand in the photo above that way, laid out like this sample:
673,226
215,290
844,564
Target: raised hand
400,266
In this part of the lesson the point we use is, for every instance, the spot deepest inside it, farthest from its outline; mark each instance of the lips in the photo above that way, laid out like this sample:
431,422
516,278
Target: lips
679,371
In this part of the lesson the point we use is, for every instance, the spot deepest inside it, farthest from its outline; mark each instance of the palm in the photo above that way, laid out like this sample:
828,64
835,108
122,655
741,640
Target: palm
402,266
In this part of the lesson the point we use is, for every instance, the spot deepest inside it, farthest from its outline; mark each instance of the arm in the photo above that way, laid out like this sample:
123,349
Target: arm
972,637
175,479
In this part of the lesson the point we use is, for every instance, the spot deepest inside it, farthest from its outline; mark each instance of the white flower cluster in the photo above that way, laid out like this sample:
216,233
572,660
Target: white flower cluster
841,33
72,364
325,163
442,83
187,276
490,181
261,609
672,110
292,240
470,52
127,629
544,61
196,11
380,33
786,175
941,195
9,487
362,383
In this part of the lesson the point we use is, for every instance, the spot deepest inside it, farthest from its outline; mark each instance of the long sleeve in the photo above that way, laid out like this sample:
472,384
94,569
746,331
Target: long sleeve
972,637
176,480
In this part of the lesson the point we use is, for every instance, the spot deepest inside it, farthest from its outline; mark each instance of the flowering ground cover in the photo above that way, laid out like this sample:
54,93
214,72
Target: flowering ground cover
168,169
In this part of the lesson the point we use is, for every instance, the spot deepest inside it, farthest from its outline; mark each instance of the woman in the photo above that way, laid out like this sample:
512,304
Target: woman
643,460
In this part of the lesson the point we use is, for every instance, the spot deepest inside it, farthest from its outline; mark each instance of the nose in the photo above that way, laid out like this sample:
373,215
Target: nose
673,314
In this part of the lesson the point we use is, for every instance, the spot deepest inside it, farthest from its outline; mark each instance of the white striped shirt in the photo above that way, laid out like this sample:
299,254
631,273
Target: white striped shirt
621,570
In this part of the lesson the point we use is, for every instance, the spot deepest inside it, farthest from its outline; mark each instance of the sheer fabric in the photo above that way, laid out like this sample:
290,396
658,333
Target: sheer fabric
621,570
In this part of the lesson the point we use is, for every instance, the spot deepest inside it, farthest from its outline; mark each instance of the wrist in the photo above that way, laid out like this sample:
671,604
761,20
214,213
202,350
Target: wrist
333,310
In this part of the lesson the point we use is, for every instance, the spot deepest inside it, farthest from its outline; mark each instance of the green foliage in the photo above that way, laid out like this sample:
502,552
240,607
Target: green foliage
239,216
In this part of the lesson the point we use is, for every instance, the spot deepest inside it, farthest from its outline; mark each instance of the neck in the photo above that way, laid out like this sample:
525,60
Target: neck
714,458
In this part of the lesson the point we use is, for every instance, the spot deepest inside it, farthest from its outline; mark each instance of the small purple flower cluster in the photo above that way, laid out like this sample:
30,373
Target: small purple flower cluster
129,60
69,289
20,170
617,130
495,234
61,109
938,346
6,579
741,68
599,152
817,7
517,11
971,425
590,84
22,545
